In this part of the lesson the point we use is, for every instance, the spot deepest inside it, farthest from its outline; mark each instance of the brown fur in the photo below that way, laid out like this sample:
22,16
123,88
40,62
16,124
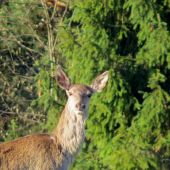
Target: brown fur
57,150
30,152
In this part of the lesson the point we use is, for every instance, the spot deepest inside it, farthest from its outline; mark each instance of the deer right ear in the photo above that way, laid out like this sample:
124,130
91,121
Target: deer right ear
100,82
62,78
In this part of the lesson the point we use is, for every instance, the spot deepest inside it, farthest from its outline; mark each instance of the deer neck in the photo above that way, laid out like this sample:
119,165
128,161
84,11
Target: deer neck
70,132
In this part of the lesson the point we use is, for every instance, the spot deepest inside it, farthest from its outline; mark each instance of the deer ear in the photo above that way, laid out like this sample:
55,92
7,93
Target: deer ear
62,78
100,82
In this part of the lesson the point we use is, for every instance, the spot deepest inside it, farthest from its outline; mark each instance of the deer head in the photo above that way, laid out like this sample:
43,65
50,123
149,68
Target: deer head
79,95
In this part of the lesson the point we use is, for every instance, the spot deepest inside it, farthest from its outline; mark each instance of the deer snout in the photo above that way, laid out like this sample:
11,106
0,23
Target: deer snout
80,106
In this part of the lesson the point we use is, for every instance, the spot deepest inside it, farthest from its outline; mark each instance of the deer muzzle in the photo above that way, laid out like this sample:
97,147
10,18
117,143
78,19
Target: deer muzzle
80,108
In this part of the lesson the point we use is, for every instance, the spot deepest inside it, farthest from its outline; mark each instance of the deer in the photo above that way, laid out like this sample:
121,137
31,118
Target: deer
57,150
61,5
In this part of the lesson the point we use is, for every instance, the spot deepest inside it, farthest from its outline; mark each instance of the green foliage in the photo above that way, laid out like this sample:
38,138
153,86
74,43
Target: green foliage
128,123
27,54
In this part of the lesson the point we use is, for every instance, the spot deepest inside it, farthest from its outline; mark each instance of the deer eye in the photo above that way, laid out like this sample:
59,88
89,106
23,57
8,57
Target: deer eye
89,95
70,93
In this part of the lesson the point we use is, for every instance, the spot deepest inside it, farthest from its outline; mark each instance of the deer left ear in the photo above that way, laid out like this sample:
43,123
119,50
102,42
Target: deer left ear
100,82
62,78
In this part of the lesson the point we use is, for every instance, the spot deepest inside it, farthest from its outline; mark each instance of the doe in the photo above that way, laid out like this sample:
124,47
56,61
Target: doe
57,150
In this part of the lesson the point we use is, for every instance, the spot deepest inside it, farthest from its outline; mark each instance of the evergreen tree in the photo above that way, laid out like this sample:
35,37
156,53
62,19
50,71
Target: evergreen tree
128,125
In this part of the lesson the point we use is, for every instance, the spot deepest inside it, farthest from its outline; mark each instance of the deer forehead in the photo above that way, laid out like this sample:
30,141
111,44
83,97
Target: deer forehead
80,89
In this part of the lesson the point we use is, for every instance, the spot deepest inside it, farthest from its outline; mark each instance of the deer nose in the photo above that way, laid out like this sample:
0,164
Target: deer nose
80,106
